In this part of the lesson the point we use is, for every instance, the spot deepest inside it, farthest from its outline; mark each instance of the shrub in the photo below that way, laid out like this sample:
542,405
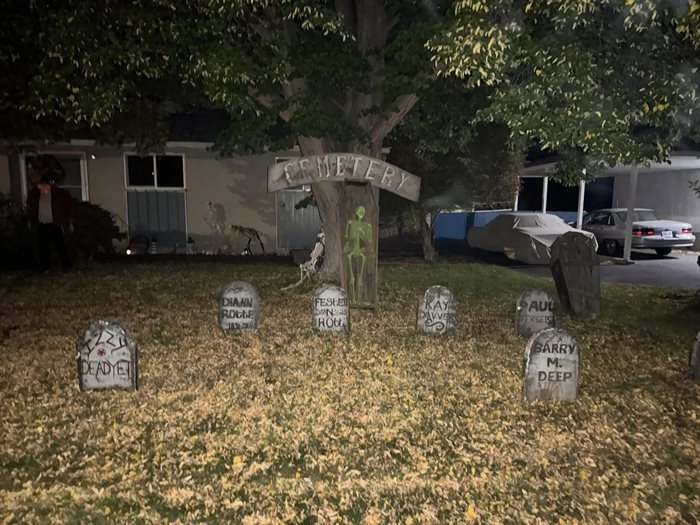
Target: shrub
94,229
16,241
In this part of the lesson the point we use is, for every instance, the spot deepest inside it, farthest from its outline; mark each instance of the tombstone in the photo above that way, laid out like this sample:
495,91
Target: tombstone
551,366
239,307
107,357
534,311
330,309
694,359
436,311
576,273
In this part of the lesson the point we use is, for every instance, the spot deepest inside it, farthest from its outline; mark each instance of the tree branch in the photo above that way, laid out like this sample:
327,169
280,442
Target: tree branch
403,105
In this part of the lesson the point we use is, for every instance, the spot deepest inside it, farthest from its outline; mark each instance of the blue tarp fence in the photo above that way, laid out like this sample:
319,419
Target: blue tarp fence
452,228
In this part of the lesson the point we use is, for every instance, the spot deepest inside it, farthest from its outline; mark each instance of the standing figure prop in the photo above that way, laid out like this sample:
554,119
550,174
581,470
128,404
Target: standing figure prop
49,209
357,233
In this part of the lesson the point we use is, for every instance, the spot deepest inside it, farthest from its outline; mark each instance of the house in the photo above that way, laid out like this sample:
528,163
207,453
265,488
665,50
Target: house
182,193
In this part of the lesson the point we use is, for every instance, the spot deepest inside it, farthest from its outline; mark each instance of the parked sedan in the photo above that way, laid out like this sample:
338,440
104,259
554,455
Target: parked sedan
525,237
647,231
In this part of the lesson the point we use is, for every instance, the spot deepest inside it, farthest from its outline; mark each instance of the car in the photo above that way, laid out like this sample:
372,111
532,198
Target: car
522,236
648,231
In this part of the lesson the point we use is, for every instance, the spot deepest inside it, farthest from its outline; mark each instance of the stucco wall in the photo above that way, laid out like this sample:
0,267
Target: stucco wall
666,193
236,187
4,175
237,190
106,183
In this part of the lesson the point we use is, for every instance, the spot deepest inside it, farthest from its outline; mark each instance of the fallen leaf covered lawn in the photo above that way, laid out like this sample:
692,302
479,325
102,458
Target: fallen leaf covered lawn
384,426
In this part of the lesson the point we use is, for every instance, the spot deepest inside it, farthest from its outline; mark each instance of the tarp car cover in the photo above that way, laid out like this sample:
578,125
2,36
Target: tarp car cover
525,237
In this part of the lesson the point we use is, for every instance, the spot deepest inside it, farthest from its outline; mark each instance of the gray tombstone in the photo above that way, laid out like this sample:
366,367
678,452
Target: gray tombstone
239,307
330,310
534,312
551,366
107,357
436,311
576,273
694,360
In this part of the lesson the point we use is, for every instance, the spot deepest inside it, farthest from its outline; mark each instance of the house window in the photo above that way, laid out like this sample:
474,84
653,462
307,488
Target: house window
155,171
75,181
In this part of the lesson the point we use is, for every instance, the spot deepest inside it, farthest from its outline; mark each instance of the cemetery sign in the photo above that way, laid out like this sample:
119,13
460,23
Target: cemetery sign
340,167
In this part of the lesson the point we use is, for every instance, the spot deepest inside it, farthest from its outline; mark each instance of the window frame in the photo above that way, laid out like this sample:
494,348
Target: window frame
604,218
155,186
84,186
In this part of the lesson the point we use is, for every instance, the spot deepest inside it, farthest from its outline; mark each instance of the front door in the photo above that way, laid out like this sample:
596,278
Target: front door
296,228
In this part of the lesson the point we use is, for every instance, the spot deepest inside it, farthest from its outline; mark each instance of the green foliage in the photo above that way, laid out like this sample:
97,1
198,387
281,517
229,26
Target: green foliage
94,229
484,171
614,81
598,82
460,160
695,187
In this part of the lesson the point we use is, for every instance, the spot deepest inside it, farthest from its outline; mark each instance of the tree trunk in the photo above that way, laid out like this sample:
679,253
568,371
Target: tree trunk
427,228
329,197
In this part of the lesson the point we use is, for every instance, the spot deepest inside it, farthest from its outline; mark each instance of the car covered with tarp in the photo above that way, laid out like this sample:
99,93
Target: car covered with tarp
522,236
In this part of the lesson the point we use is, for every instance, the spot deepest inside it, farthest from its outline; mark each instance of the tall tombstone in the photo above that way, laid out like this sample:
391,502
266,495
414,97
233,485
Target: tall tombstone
239,307
107,357
362,177
694,358
551,366
534,311
576,273
330,309
436,311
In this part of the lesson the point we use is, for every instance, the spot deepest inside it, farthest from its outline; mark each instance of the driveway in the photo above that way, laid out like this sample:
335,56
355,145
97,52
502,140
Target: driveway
679,269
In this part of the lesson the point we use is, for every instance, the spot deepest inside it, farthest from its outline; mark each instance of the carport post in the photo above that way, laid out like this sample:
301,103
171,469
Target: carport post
545,186
631,194
581,197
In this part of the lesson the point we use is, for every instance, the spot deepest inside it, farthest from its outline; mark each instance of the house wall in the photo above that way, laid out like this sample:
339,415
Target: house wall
666,193
5,175
237,189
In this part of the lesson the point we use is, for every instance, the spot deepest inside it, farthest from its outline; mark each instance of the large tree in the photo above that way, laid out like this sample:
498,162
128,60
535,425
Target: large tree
610,80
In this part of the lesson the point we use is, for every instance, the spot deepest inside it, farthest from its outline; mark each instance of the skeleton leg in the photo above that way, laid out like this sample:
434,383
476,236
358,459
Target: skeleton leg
361,277
352,279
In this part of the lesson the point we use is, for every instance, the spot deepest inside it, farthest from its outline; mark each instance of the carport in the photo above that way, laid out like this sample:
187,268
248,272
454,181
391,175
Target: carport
676,163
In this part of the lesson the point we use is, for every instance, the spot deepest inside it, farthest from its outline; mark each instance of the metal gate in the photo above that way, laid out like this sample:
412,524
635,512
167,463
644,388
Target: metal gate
296,229
159,214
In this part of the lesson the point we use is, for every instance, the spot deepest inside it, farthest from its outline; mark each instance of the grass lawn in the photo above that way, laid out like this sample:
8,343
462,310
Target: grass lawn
384,426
